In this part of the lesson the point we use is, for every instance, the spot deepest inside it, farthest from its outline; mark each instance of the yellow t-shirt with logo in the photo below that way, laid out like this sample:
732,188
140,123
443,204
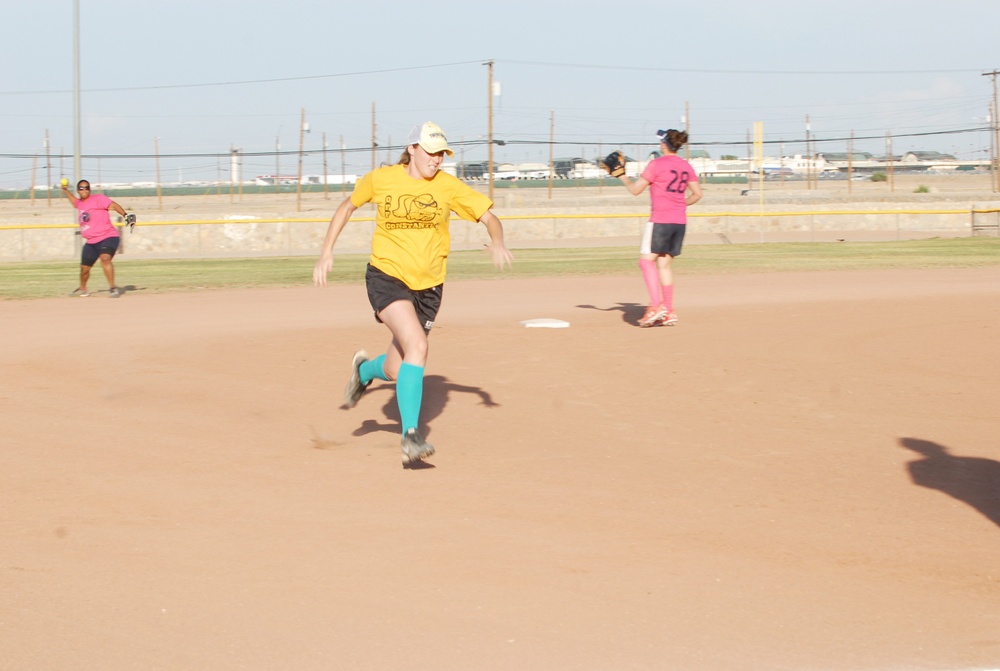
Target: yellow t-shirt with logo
412,239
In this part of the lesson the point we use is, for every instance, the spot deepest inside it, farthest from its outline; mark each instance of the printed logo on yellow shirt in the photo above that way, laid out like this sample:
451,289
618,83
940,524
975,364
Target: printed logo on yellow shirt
414,212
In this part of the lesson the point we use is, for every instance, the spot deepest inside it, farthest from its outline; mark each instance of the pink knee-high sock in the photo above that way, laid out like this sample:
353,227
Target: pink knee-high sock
668,296
652,278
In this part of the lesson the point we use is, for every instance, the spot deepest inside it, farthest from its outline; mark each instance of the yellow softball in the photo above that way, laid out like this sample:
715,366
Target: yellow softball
64,181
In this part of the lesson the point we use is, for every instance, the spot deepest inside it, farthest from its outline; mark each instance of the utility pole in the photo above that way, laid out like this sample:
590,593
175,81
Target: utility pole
48,167
239,174
600,153
374,144
781,163
159,190
298,182
343,167
277,161
850,162
489,137
326,181
687,126
552,131
888,157
995,183
34,164
232,170
990,114
76,93
749,162
809,181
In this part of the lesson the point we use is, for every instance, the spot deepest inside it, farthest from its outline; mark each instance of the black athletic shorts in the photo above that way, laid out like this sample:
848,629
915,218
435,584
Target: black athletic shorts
385,289
92,252
663,239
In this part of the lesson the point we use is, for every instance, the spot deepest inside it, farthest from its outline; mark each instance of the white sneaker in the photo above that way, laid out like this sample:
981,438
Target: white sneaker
355,389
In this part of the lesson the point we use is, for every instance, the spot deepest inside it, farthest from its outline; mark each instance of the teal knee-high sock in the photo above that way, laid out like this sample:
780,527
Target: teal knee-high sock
410,394
373,368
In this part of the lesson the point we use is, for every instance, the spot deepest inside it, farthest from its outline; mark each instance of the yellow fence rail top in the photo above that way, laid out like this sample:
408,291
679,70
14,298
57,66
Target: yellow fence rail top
528,217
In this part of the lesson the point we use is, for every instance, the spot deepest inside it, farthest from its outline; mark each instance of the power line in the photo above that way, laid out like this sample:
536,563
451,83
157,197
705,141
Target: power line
510,142
579,66
633,68
242,82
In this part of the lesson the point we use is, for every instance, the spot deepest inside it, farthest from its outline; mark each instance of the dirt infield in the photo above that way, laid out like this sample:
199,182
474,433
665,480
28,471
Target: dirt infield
803,474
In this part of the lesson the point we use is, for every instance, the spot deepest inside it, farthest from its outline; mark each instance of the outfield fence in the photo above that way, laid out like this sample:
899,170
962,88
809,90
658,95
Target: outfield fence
247,236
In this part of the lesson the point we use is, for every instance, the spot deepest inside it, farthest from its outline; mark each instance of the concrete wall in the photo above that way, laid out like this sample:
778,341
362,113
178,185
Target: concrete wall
607,221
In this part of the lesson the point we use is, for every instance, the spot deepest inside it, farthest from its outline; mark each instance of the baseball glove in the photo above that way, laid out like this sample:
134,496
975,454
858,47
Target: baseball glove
614,163
130,221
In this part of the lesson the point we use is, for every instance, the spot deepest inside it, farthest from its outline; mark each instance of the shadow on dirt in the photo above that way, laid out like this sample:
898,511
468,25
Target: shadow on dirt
437,391
972,480
631,312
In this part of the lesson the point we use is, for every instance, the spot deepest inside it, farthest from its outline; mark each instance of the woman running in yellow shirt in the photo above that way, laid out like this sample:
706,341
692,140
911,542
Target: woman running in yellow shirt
414,200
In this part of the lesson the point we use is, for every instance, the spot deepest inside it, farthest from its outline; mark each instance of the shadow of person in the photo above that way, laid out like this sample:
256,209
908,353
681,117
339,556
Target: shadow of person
972,480
631,312
437,391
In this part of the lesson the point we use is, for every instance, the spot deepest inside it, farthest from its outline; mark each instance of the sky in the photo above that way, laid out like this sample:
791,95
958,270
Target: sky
172,87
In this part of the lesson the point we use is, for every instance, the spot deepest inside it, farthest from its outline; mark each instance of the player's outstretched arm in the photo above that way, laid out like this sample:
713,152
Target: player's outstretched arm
497,248
614,164
325,262
634,187
68,194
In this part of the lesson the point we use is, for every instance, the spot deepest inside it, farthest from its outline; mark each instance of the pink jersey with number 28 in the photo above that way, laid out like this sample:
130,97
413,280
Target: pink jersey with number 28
668,178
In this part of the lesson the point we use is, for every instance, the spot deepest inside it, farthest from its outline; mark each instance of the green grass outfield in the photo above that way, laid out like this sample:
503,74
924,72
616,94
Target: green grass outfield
22,280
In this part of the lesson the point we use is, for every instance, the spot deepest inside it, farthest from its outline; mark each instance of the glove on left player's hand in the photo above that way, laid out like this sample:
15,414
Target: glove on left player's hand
130,221
614,163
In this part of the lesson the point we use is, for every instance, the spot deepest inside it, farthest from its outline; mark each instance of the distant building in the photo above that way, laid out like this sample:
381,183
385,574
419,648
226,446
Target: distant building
927,157
689,154
563,167
842,159
475,170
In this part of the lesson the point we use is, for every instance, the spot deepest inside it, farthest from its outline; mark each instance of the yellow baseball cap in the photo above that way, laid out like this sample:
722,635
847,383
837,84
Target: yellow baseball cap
430,137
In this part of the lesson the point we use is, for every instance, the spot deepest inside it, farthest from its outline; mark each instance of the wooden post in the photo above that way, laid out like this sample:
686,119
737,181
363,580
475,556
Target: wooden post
232,176
343,168
749,162
809,166
600,155
159,190
687,126
326,180
850,162
552,131
888,153
34,162
48,167
781,163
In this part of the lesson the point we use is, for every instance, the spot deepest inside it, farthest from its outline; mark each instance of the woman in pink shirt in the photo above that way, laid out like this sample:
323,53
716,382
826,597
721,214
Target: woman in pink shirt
673,185
99,234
